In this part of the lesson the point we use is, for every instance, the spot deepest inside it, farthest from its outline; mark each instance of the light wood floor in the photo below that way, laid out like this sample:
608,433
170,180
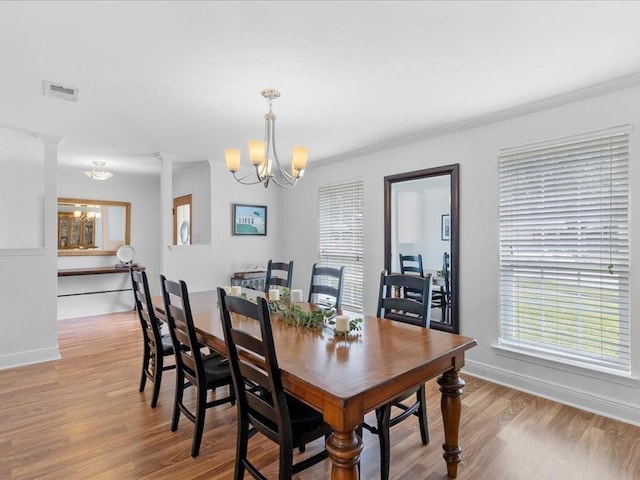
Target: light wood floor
83,418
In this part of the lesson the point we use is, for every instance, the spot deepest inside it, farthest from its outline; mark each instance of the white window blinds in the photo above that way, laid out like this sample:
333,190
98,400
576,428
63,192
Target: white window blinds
341,237
564,249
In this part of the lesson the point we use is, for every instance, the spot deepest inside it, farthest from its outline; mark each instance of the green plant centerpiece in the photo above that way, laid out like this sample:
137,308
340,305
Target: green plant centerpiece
317,319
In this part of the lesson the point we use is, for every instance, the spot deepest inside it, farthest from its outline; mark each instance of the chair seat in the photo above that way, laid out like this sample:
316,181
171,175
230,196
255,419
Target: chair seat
216,369
167,345
303,418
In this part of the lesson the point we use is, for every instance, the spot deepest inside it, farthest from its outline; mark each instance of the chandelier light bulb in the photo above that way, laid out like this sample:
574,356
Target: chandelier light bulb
232,158
257,152
299,158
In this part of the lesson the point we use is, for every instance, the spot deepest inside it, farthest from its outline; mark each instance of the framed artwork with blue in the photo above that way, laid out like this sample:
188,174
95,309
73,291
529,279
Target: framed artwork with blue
249,219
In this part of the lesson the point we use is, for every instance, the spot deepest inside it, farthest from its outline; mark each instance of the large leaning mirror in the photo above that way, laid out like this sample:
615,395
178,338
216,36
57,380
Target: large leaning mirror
421,219
92,227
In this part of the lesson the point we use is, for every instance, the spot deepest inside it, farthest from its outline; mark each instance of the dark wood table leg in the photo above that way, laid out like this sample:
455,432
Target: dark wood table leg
344,452
451,386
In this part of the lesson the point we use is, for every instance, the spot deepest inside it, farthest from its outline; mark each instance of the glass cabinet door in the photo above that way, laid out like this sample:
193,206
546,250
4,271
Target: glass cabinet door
63,231
88,233
74,240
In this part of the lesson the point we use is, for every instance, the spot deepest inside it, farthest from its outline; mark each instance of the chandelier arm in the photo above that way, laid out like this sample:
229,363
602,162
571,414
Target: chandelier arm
288,178
243,179
283,185
263,170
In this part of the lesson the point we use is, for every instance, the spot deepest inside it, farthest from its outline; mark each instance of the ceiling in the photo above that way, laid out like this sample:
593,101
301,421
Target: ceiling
184,78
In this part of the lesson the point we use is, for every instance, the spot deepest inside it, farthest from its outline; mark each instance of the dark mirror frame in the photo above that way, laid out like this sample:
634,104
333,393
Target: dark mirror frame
454,172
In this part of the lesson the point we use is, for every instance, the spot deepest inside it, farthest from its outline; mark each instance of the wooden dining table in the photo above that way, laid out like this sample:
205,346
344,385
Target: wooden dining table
344,377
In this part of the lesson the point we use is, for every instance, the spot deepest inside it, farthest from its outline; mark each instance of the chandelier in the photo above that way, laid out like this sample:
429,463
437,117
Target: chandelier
86,212
264,158
98,172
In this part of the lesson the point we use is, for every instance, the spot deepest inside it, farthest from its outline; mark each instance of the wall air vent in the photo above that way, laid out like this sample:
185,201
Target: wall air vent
60,91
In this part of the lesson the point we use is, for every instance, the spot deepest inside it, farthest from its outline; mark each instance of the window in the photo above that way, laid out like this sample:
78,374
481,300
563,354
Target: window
341,232
564,249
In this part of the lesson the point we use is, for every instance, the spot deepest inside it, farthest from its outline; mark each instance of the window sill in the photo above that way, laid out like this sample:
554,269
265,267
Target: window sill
567,365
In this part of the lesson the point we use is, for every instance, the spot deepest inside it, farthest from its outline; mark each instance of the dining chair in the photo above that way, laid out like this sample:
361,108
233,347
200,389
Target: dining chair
441,297
279,274
263,406
411,311
412,265
203,372
326,285
155,345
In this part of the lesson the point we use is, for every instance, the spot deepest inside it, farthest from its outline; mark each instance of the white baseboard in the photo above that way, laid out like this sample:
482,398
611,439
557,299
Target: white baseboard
27,358
605,406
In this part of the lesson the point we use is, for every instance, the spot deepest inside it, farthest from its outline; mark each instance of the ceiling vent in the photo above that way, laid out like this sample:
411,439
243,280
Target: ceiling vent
60,91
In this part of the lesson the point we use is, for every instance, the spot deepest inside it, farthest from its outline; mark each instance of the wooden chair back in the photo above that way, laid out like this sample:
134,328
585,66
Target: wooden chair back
146,313
254,367
183,333
411,264
326,281
155,345
446,268
393,304
279,274
262,402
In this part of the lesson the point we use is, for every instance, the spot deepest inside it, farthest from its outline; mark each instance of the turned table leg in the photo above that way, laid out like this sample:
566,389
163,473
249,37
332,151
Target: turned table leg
344,452
451,386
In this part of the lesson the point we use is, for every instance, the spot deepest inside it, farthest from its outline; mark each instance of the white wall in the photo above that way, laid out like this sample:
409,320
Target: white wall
205,267
21,164
27,283
417,211
475,150
144,195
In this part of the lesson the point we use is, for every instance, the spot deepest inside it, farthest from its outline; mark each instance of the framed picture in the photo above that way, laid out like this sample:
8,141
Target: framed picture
249,219
445,227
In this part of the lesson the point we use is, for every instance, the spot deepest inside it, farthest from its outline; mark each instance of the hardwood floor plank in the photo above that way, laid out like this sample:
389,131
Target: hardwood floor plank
82,418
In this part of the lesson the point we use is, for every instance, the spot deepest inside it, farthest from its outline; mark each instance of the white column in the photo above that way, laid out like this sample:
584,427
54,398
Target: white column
50,226
166,203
